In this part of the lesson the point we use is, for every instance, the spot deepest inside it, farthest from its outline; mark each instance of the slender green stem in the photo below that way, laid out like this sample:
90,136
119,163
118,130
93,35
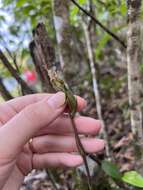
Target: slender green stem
59,84
81,151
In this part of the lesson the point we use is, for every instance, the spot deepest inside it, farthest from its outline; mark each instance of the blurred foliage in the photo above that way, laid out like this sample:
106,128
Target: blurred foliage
27,11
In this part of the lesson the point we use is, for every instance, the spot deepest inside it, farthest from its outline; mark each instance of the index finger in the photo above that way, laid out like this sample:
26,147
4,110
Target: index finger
10,108
21,102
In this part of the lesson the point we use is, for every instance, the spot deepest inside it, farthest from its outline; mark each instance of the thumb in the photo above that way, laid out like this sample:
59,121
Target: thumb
16,133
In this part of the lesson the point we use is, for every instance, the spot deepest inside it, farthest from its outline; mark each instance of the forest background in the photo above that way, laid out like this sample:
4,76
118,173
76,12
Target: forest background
97,46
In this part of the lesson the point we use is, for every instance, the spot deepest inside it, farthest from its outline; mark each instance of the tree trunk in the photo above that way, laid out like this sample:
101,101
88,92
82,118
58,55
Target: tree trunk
134,60
69,59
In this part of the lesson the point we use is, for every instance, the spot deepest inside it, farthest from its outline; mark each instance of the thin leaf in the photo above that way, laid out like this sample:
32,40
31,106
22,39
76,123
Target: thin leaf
111,169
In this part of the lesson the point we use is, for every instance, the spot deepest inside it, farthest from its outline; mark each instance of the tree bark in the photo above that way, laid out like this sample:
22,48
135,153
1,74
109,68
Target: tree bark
134,60
43,55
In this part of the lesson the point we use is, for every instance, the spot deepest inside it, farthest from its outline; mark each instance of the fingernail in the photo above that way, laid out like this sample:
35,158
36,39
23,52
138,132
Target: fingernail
57,100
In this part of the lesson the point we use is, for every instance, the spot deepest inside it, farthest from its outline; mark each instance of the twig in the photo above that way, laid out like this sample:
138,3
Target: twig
81,150
14,73
96,88
13,57
4,92
94,158
52,179
100,24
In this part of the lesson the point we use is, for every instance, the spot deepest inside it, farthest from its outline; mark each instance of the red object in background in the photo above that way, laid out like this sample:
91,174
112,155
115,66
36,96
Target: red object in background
30,76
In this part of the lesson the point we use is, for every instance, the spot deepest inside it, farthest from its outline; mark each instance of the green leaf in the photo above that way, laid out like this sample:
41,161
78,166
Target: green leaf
133,178
111,169
27,9
82,2
20,3
74,11
123,8
24,53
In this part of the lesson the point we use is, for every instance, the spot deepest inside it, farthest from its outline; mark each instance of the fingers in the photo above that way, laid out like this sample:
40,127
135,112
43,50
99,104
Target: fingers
55,160
14,106
51,143
21,102
81,103
62,125
15,133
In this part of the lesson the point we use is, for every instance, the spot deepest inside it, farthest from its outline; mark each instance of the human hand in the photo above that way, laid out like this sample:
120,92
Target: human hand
40,117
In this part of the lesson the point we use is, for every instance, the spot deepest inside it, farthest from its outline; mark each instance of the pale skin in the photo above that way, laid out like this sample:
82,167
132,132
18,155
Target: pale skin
42,118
